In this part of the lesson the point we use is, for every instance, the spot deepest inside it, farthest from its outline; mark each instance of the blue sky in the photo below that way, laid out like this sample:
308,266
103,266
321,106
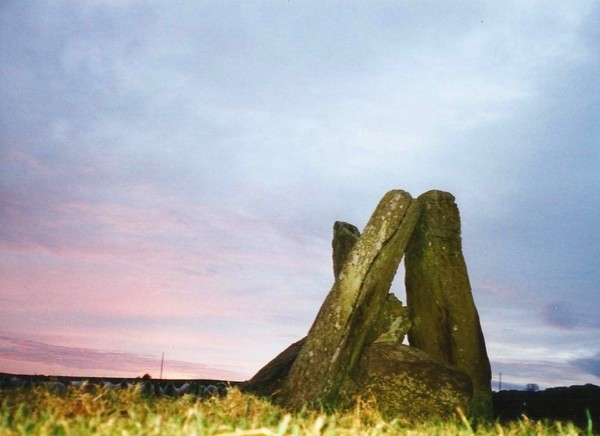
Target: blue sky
170,173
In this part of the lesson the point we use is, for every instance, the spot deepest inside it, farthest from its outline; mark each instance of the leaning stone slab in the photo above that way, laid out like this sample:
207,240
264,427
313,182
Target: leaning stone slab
335,341
393,322
445,320
269,379
391,327
409,384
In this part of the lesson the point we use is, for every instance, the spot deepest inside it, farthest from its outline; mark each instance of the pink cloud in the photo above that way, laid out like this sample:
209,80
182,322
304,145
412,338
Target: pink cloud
16,354
27,160
124,218
111,290
566,315
144,275
161,242
495,288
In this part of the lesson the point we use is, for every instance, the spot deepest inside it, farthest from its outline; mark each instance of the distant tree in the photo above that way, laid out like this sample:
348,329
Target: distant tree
532,387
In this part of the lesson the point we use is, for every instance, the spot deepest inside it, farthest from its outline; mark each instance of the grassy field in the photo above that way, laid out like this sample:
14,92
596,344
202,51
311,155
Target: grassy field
90,409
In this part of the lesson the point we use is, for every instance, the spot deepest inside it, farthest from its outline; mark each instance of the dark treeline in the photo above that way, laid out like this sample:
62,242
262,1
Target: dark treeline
168,387
574,403
4,377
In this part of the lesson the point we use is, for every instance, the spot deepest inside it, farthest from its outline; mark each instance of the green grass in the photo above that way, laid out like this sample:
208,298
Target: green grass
91,409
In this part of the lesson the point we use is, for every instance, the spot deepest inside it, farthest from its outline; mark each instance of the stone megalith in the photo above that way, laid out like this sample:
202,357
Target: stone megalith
391,326
321,372
445,322
345,236
404,381
409,384
269,379
393,322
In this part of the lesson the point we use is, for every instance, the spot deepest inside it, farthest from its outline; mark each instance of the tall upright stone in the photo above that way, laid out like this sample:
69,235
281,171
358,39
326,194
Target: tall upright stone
321,373
445,322
345,236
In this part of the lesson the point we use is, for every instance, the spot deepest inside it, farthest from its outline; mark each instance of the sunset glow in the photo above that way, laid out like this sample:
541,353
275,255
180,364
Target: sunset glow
170,174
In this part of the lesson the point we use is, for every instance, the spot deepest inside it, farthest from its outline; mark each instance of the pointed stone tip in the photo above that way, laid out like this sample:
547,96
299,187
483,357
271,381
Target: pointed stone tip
342,225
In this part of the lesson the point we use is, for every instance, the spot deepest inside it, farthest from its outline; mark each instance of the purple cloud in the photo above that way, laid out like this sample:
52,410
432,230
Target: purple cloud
569,316
591,365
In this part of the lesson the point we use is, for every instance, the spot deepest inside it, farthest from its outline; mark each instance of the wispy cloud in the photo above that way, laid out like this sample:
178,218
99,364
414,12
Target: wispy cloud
61,360
569,316
523,371
591,365
184,178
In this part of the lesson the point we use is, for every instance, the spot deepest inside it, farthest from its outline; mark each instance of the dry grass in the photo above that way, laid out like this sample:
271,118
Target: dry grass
90,409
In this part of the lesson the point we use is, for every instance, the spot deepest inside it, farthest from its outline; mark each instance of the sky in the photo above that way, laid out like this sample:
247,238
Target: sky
170,173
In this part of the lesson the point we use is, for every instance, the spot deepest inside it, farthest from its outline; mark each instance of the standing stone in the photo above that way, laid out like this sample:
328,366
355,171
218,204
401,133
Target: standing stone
344,237
321,372
445,320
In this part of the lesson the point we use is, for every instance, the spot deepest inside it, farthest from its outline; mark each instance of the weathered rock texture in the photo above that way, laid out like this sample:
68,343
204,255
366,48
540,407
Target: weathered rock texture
354,347
269,379
391,328
322,370
445,320
406,382
393,322
344,237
